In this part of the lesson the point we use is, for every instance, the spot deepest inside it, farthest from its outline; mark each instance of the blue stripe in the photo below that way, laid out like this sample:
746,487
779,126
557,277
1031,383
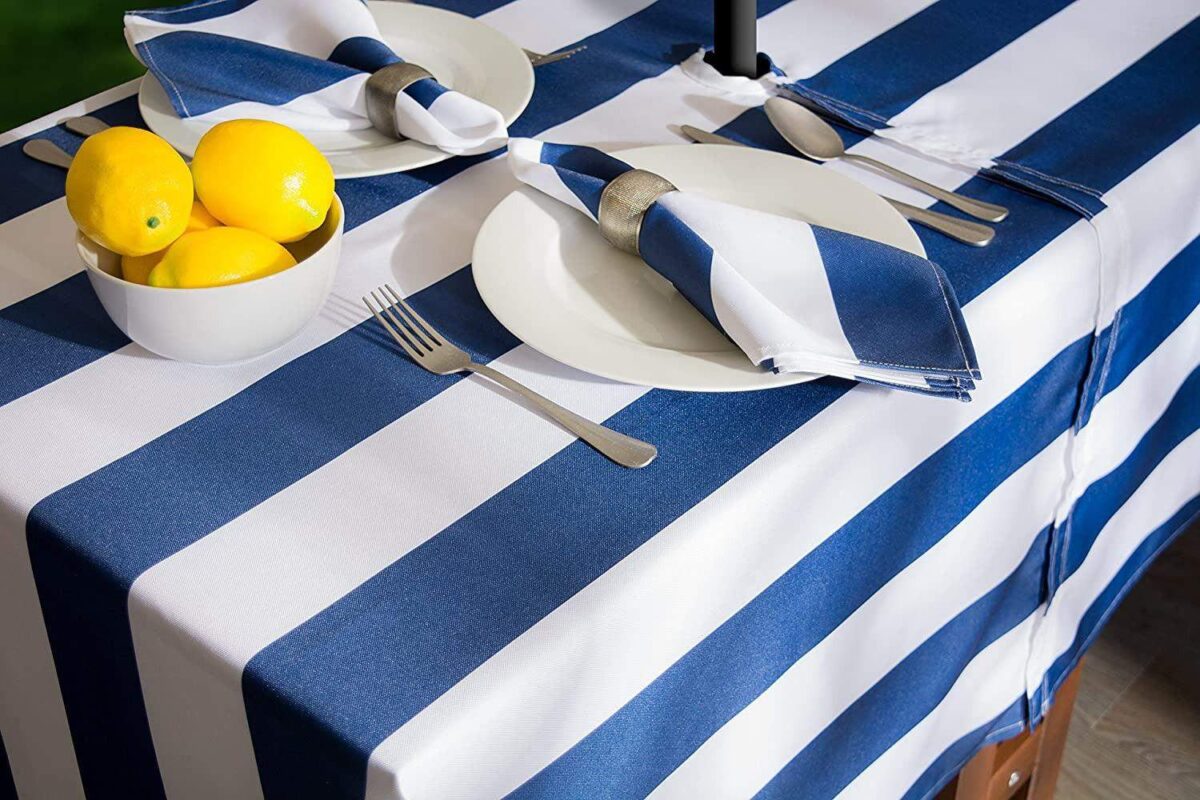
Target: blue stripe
887,75
912,690
195,11
1106,602
748,653
103,697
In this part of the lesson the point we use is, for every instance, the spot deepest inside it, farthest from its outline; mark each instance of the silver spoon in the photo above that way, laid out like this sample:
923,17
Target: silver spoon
975,234
816,138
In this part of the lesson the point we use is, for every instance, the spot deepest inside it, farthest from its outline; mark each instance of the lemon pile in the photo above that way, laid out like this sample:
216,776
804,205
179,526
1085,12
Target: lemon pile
253,186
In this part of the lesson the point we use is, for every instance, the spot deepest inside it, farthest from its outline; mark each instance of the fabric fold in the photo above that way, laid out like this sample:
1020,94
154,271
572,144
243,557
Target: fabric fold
299,63
794,297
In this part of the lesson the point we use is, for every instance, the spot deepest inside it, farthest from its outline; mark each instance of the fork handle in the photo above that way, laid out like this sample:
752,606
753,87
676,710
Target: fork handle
968,205
624,450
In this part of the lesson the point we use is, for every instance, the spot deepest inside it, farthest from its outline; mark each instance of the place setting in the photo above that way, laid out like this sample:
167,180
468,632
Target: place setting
760,270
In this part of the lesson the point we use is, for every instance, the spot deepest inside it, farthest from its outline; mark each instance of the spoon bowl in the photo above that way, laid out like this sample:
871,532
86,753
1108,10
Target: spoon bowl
804,130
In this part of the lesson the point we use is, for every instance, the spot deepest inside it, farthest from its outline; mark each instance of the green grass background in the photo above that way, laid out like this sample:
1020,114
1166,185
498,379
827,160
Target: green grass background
54,52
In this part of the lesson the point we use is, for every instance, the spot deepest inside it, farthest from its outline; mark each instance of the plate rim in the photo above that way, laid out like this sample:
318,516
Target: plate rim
493,223
432,154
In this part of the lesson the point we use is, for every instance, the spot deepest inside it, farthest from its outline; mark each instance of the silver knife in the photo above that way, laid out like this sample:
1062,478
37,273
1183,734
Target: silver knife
973,233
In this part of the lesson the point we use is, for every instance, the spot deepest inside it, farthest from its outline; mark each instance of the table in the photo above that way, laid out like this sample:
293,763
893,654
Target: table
329,574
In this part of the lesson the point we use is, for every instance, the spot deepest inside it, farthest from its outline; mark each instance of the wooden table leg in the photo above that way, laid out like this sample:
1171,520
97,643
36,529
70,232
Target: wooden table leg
1026,766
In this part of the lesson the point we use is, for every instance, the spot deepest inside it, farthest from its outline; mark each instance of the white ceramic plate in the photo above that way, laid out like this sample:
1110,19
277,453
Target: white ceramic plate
462,53
547,274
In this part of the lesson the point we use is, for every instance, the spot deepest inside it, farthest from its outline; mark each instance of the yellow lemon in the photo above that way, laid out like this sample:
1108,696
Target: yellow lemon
129,191
217,256
263,176
136,269
200,219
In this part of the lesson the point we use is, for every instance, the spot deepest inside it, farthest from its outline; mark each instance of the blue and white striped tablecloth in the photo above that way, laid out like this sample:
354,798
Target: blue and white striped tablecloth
328,574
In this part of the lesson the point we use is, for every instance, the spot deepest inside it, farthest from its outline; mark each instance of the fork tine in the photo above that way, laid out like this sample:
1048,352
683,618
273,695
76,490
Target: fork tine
423,337
401,325
414,316
400,340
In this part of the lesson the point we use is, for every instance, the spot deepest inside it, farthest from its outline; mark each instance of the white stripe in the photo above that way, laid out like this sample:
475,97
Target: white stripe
984,691
989,684
479,728
976,116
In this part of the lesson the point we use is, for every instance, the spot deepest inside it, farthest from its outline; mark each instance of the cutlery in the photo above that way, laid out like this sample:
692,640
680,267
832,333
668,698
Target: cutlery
965,231
433,352
47,152
85,126
816,138
541,59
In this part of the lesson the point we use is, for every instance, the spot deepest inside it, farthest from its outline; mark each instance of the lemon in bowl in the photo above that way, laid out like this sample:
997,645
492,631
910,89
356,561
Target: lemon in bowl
128,190
264,177
138,268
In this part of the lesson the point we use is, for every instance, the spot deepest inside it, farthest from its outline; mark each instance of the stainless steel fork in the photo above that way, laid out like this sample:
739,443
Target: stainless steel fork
433,352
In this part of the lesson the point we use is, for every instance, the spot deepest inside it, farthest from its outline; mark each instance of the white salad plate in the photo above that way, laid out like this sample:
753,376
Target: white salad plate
549,276
462,53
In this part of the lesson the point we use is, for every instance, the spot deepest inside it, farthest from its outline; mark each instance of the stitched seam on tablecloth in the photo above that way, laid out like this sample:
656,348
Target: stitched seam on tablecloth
1043,190
1108,612
1052,178
836,102
150,55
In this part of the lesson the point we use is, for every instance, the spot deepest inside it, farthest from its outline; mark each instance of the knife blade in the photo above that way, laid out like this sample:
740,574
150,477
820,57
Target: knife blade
707,137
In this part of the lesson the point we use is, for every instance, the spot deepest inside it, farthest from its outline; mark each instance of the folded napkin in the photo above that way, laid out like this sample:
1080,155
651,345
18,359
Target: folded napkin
304,63
795,297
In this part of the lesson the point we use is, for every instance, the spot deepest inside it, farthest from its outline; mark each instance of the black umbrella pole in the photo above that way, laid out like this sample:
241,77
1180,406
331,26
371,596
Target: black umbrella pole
735,45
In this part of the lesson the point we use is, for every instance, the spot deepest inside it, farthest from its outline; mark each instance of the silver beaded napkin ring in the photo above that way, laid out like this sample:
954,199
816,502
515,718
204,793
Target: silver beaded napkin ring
624,203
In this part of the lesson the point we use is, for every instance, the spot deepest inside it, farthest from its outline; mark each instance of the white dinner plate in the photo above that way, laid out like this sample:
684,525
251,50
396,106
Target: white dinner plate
462,53
549,276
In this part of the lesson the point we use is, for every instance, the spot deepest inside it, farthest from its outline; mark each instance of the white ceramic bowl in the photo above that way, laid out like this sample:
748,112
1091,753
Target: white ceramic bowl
220,324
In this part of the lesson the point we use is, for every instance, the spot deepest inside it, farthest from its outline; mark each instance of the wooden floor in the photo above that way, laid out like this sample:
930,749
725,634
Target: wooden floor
1135,732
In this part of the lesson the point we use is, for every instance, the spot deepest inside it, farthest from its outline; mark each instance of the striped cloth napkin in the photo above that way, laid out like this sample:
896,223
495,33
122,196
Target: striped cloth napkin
301,63
794,297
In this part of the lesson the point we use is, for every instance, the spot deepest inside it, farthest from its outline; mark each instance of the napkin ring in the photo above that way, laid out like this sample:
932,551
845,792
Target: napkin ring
623,206
383,86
